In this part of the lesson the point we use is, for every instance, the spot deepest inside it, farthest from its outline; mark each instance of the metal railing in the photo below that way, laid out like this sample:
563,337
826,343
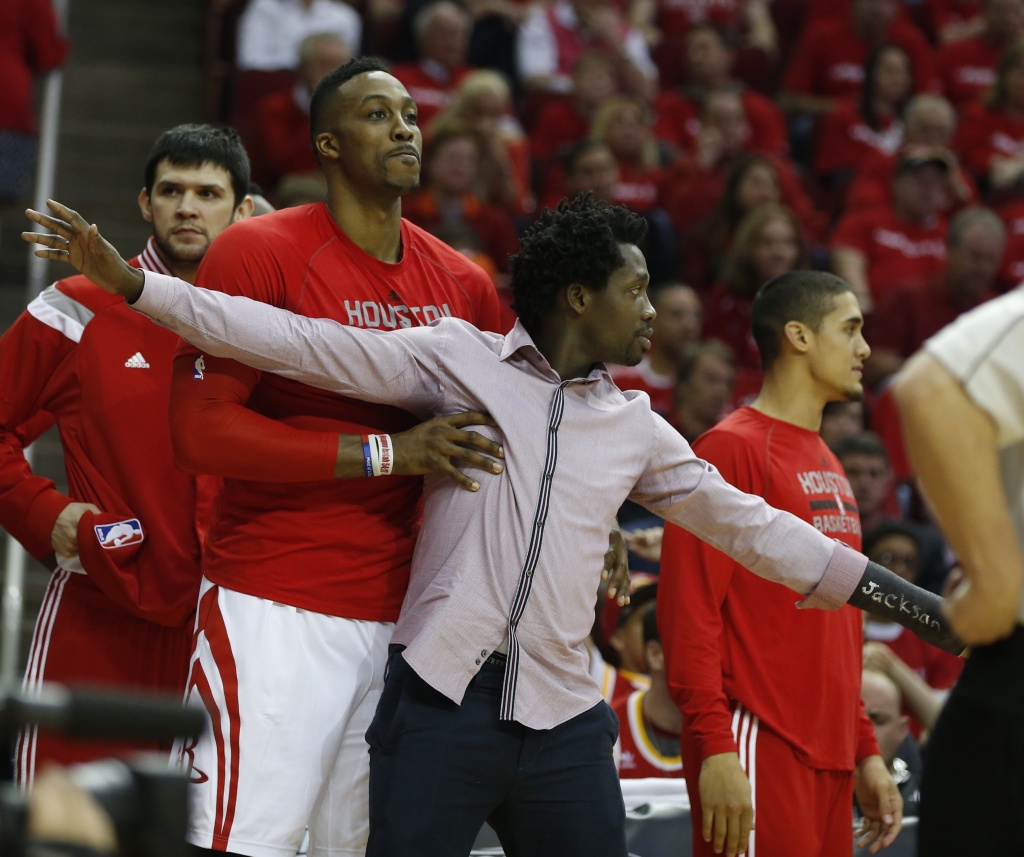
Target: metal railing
16,559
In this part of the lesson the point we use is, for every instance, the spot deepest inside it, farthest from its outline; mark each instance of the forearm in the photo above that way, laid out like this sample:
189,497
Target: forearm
924,701
888,596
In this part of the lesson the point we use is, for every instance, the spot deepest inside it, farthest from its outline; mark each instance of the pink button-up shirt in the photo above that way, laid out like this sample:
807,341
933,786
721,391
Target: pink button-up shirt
516,565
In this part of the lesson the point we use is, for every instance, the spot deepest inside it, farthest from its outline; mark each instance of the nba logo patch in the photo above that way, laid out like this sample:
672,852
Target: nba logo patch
119,534
199,368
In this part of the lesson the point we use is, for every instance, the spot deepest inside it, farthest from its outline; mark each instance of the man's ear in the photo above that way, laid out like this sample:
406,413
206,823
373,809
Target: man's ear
577,297
244,209
326,146
145,207
797,335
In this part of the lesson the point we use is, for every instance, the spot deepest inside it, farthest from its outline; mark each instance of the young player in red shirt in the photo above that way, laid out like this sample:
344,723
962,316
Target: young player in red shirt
124,541
774,732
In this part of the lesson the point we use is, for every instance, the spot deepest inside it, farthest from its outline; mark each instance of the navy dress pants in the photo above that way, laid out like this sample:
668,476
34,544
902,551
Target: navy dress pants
439,770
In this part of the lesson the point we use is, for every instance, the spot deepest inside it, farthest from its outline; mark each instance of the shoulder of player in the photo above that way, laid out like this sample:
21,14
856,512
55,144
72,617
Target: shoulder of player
434,251
85,292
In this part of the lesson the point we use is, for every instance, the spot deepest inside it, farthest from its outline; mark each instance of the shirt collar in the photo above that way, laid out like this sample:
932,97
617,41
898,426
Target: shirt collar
518,339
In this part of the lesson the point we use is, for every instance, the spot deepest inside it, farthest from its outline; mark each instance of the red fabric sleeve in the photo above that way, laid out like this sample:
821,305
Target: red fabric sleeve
867,743
30,354
971,141
214,432
693,588
767,124
805,66
47,46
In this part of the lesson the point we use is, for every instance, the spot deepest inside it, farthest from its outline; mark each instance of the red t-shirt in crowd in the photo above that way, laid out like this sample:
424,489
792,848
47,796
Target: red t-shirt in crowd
677,119
660,388
986,132
280,144
872,186
675,17
897,252
845,140
968,69
430,86
829,59
1011,273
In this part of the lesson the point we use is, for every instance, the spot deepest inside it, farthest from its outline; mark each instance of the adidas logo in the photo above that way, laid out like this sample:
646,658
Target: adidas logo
136,361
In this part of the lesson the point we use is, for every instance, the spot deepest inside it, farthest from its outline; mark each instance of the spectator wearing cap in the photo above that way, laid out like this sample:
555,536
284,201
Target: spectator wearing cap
929,123
441,31
923,674
903,243
908,315
650,723
990,137
967,66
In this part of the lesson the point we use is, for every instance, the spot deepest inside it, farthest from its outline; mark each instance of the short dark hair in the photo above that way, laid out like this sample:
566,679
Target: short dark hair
862,443
804,296
195,145
327,89
576,243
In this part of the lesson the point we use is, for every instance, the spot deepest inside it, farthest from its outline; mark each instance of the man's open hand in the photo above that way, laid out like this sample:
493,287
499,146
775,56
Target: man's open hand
80,245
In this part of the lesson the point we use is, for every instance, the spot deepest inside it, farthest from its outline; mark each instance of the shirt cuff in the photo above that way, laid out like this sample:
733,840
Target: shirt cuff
842,574
157,294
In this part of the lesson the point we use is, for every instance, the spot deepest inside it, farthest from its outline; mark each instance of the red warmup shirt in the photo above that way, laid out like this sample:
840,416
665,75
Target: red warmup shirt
732,637
829,59
103,372
636,753
984,133
897,253
968,69
909,315
677,119
286,530
845,141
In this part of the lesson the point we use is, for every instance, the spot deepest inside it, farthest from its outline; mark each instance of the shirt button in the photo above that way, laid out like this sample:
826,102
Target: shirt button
483,654
478,661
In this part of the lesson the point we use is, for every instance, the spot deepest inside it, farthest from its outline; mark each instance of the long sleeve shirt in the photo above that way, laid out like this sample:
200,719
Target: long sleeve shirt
517,564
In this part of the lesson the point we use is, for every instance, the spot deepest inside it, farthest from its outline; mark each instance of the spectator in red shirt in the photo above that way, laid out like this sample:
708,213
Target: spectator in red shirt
694,187
968,66
563,121
929,123
451,169
768,242
279,145
871,122
589,165
31,42
909,315
676,326
704,389
710,59
828,62
903,243
441,31
483,104
990,138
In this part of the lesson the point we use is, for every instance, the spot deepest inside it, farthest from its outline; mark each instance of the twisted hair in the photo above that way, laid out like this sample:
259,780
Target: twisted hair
576,243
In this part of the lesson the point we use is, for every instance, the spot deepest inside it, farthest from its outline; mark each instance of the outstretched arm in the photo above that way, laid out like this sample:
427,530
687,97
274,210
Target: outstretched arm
264,449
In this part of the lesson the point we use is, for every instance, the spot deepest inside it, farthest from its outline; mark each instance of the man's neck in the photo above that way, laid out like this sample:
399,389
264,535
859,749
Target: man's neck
186,271
375,226
786,398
